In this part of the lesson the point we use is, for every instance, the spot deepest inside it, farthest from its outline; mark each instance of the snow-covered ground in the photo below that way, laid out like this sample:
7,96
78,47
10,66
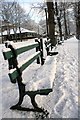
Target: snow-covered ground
63,101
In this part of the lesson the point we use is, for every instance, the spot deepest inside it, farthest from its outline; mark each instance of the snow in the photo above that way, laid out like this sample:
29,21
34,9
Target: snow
63,68
7,43
45,75
24,61
18,31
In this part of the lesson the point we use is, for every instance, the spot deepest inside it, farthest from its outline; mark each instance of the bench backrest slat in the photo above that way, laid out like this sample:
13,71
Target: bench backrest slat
29,47
14,74
8,54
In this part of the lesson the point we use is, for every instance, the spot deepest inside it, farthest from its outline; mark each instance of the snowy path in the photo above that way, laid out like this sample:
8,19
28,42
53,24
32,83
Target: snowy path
66,81
63,101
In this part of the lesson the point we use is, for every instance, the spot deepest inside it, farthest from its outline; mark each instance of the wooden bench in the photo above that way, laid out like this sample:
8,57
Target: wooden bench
49,48
10,53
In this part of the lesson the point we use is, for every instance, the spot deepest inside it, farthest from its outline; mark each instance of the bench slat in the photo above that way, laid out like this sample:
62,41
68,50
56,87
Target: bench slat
26,48
31,59
14,73
7,53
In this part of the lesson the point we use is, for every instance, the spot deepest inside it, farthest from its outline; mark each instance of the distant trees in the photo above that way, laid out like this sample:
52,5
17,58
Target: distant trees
58,15
64,22
67,18
63,7
13,16
60,18
57,18
12,13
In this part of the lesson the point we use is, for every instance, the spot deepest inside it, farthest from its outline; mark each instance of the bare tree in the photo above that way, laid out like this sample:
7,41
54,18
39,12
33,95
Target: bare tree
12,16
65,21
51,22
39,8
58,19
77,14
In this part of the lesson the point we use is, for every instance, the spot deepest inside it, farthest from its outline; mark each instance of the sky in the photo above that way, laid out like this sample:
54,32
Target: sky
27,4
31,1
34,14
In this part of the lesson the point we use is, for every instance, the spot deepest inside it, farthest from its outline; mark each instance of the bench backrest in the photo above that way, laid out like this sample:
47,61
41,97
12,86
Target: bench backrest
11,54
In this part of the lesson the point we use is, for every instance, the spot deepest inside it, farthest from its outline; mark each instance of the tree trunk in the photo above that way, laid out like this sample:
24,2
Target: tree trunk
51,23
59,23
65,23
68,24
78,21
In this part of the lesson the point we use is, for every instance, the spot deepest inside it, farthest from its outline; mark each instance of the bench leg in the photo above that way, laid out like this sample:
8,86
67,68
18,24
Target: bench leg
34,103
32,95
22,93
19,107
21,96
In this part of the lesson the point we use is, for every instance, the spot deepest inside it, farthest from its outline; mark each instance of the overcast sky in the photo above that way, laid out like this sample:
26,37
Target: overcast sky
30,1
27,4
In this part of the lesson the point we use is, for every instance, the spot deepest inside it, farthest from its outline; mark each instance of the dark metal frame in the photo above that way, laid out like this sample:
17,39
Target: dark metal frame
13,63
48,47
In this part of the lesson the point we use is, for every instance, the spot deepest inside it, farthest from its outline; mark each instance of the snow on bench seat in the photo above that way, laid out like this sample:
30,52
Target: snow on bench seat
45,75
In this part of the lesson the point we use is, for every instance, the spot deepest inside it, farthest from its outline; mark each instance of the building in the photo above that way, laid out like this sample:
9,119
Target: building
18,34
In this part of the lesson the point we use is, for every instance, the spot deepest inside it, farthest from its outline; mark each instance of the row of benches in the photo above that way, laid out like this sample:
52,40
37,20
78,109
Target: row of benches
11,53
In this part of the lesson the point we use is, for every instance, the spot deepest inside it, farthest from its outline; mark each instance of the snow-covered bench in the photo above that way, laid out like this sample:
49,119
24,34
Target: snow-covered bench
10,53
49,48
